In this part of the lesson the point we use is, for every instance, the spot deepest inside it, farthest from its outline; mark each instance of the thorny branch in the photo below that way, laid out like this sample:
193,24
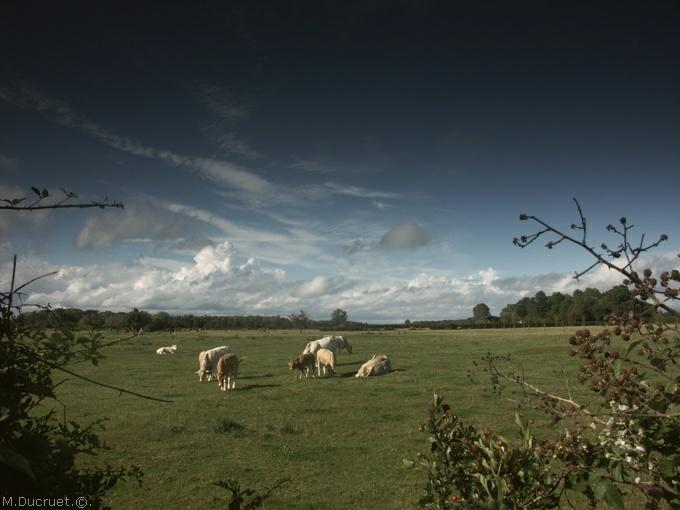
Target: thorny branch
15,204
646,287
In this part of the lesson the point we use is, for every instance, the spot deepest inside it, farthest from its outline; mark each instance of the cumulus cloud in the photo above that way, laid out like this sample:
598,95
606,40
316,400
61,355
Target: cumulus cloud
221,280
406,236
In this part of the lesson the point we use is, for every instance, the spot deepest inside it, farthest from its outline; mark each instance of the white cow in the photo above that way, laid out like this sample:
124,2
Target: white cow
379,364
207,361
332,343
325,358
167,350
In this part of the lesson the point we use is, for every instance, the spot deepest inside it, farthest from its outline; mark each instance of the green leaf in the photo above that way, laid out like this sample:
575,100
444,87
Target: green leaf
606,491
617,471
632,346
617,368
667,465
15,460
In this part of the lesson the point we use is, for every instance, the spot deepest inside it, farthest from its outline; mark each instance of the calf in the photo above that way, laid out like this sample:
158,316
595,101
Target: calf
167,350
325,358
304,362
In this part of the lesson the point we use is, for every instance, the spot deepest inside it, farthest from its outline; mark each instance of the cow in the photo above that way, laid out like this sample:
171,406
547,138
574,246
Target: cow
207,360
227,369
325,358
304,363
332,343
167,350
379,364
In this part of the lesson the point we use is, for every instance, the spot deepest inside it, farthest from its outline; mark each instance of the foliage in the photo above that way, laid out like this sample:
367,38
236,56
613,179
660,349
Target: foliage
467,468
338,317
247,499
629,442
481,313
39,451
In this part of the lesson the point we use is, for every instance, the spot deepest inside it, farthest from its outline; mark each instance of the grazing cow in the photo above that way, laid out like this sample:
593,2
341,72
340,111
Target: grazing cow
207,361
167,350
304,362
227,369
332,343
325,358
379,364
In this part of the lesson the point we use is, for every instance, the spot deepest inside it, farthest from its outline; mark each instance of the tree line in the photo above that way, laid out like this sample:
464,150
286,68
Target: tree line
580,308
134,320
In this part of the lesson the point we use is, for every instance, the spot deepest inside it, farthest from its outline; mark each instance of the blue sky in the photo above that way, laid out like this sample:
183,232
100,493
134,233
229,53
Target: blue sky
376,158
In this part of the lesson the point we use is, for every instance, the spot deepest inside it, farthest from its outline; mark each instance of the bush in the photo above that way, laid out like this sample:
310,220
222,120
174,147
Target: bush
627,444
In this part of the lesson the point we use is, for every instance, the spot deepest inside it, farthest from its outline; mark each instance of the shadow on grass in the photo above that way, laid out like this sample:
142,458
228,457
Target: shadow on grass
348,364
248,387
256,376
227,426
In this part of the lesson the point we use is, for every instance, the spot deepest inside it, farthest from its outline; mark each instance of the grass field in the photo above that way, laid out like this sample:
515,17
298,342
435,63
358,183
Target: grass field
340,440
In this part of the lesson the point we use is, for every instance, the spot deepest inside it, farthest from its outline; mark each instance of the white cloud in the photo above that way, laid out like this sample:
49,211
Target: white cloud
135,222
221,280
406,236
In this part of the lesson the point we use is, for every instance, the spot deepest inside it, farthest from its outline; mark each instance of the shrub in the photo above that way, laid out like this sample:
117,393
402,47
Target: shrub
626,444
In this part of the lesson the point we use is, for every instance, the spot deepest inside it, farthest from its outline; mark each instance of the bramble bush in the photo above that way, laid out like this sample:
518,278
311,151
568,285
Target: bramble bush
39,449
625,444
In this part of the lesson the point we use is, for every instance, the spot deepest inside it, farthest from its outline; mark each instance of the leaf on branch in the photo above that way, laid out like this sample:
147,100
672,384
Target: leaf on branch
45,193
606,491
36,191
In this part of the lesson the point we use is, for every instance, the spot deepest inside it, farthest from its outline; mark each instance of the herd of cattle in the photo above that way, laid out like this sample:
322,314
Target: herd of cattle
223,364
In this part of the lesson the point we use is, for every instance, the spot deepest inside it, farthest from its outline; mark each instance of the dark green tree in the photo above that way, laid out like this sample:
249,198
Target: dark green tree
339,317
481,313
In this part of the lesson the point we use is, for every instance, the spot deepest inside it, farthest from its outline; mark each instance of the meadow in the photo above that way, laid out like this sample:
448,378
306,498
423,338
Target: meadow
341,440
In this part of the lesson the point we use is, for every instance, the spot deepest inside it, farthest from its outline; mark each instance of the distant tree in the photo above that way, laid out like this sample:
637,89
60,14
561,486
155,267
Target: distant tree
339,317
137,319
92,320
299,320
160,322
481,313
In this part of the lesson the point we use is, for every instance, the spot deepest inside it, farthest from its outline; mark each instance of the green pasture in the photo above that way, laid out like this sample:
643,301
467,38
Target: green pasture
340,440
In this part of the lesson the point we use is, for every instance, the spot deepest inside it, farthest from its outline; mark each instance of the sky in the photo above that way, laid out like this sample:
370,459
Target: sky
371,156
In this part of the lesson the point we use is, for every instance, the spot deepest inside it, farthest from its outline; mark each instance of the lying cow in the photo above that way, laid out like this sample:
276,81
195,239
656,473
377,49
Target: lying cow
167,350
227,369
379,364
207,361
325,358
304,363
